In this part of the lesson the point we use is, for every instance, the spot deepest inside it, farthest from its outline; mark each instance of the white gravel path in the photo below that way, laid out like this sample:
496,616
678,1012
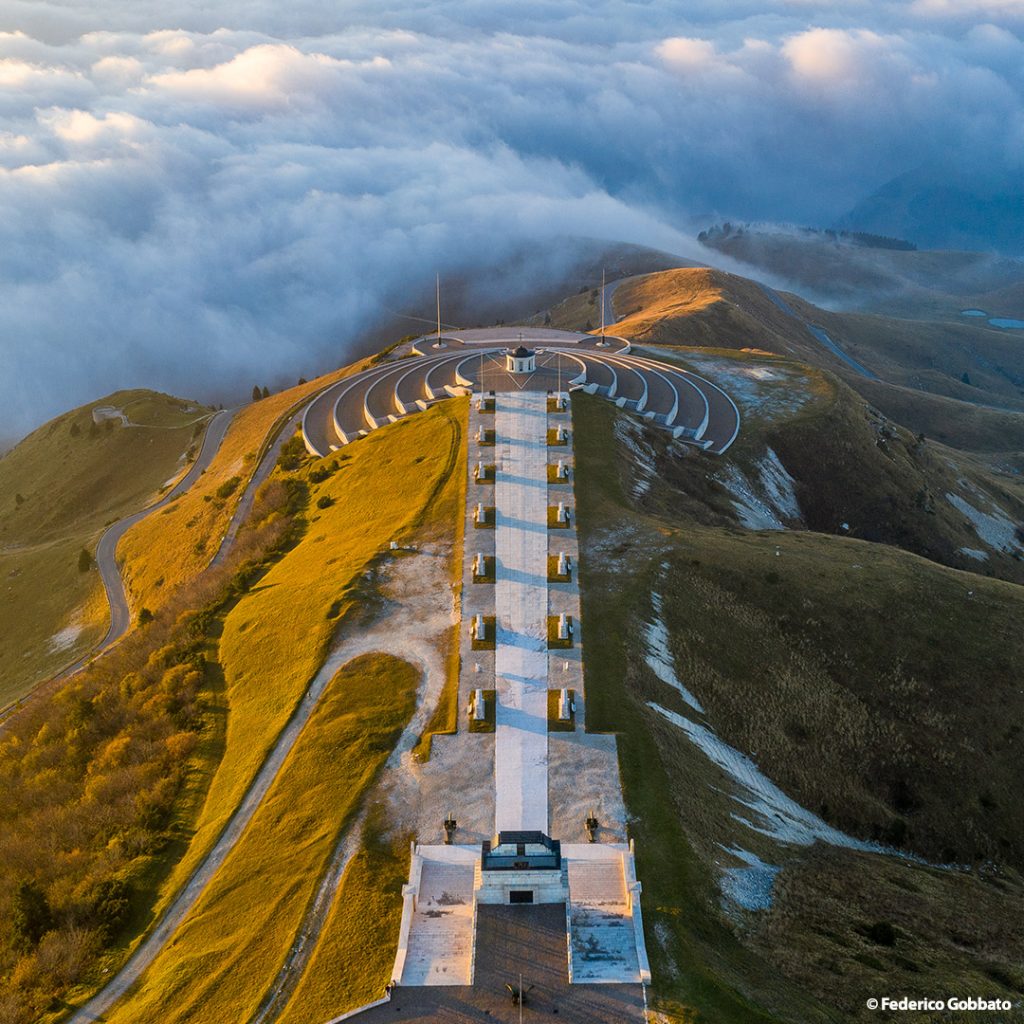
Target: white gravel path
396,633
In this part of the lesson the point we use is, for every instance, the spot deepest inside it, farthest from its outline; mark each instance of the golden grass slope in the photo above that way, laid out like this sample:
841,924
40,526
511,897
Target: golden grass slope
693,306
398,483
59,488
168,549
354,957
227,952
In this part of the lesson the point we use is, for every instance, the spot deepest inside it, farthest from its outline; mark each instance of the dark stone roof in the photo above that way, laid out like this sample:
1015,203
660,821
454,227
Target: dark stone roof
522,352
523,836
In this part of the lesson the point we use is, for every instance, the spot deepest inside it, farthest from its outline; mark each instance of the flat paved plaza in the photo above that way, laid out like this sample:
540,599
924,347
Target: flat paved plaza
510,940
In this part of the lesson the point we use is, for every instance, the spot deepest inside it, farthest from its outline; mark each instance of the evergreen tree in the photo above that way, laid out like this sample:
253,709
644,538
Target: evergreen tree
266,391
30,914
84,561
256,394
111,904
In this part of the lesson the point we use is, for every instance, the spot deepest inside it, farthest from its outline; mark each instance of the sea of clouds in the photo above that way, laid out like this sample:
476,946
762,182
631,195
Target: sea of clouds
194,196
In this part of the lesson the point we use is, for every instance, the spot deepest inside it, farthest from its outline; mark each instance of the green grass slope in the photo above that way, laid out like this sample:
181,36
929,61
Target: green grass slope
59,488
878,689
853,472
950,421
961,359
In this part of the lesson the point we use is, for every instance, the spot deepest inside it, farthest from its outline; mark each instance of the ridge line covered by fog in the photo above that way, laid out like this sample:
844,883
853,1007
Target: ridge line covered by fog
196,197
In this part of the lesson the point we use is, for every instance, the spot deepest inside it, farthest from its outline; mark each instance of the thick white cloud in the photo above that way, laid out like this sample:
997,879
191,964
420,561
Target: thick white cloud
196,196
686,54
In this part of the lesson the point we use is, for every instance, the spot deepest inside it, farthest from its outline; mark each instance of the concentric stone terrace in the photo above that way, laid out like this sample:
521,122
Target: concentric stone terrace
429,370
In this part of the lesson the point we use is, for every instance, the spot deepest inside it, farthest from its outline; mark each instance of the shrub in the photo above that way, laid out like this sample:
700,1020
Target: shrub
293,452
84,561
228,488
324,501
145,616
881,933
63,956
319,474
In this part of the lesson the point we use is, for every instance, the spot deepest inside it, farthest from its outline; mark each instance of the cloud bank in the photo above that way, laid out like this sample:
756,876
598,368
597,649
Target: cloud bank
194,196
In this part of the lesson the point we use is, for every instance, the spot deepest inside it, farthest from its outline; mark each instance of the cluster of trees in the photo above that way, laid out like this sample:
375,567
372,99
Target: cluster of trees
264,392
89,779
90,776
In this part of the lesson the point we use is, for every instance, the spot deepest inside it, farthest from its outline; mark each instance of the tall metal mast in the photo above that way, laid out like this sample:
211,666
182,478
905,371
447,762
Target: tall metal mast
602,303
439,310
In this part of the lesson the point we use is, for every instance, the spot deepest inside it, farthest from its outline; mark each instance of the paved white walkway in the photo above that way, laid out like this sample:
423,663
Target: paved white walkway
441,935
521,608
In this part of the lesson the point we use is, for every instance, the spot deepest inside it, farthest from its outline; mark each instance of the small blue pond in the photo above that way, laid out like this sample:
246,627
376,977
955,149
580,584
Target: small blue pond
1006,323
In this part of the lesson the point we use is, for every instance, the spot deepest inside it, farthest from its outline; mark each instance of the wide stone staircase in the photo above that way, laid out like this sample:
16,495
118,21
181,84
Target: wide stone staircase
440,950
602,944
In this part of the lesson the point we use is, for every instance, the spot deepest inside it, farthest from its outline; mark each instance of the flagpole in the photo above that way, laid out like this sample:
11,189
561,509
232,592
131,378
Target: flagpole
602,305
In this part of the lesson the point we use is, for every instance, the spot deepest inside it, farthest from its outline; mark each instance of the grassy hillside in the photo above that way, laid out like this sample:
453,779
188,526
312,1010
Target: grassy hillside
125,778
878,689
950,421
710,307
61,486
692,306
953,358
228,950
957,359
166,550
275,639
848,470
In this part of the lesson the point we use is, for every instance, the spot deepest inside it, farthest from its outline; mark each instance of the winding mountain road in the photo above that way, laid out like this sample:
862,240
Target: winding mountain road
819,335
106,549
